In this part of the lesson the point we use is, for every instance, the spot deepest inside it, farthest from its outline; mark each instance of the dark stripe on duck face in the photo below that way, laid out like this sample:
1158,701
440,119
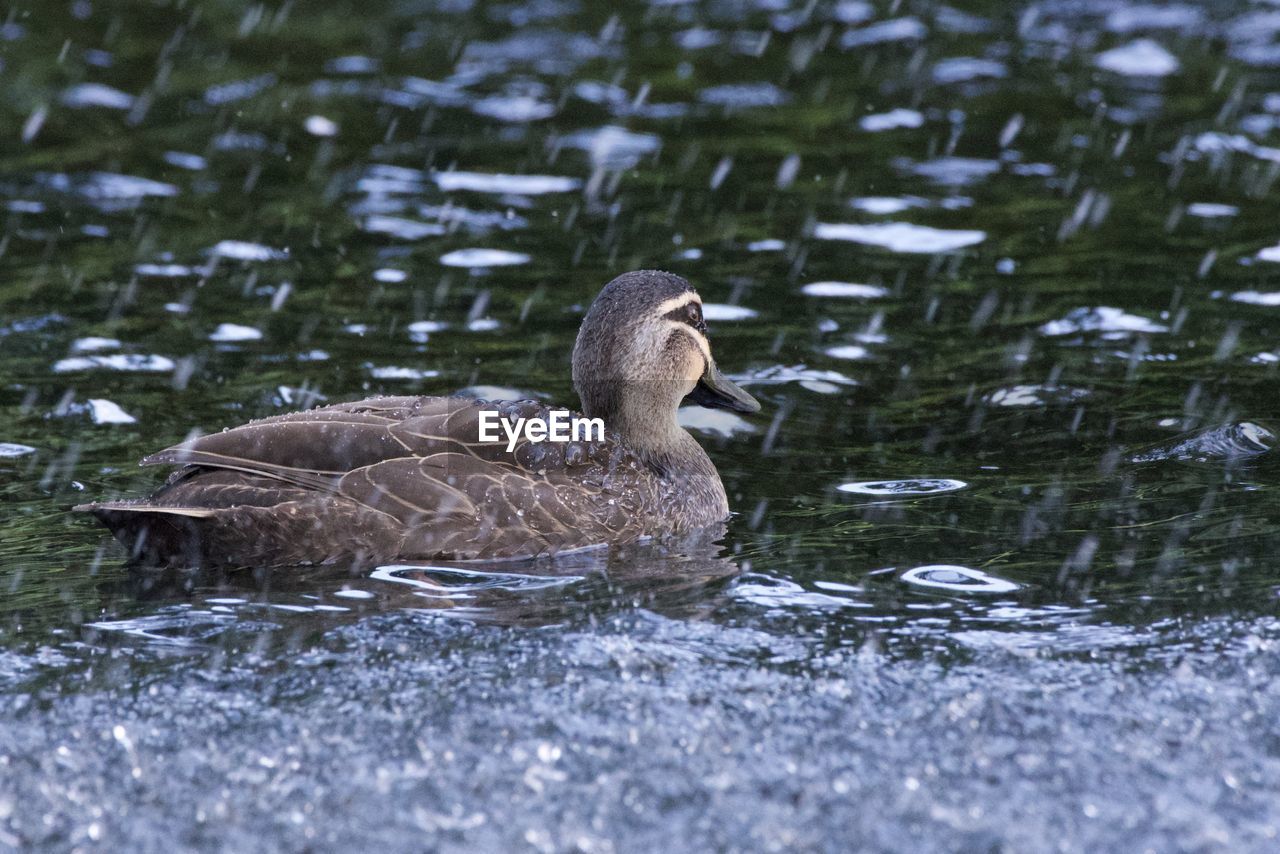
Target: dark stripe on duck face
688,311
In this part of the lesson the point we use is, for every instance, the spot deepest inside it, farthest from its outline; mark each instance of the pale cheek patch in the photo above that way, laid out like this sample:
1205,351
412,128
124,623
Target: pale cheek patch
703,344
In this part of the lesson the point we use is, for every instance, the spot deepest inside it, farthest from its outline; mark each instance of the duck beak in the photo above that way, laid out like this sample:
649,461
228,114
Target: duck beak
716,391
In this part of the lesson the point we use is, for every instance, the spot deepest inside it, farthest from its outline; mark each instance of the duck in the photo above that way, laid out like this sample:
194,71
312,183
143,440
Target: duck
402,478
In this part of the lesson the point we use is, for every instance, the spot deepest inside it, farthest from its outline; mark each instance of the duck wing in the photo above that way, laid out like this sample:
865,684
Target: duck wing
418,464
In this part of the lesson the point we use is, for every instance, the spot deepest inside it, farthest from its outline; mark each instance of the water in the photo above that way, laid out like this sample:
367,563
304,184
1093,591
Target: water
1002,572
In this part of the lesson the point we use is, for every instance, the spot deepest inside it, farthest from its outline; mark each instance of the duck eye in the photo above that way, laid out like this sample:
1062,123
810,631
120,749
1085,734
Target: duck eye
690,314
695,318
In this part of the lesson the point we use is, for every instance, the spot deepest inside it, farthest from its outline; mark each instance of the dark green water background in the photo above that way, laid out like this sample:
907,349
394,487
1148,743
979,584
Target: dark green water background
1119,697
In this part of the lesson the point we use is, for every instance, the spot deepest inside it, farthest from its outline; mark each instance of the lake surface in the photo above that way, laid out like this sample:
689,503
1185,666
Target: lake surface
1003,572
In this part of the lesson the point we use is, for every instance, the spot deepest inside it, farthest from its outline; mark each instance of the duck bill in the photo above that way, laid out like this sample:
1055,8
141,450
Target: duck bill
716,391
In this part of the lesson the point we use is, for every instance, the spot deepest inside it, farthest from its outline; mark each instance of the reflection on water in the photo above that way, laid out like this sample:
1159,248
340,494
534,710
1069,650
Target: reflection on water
1004,277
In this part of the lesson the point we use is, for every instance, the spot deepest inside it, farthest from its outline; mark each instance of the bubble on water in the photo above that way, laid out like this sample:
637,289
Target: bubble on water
848,351
1034,395
1216,143
452,216
351,65
958,579
1271,253
853,11
1109,321
126,362
715,311
476,257
744,95
389,275
1266,298
13,449
822,382
892,120
698,38
352,593
243,250
108,412
767,245
597,92
1265,358
382,179
720,422
893,30
886,205
844,290
1139,17
515,108
107,191
164,271
321,126
483,324
394,372
908,488
94,343
1138,58
232,332
84,95
612,147
901,236
519,185
420,330
1210,210
949,171
402,228
961,68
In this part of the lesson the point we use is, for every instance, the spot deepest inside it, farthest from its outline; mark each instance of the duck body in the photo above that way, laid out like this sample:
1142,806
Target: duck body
401,478
413,478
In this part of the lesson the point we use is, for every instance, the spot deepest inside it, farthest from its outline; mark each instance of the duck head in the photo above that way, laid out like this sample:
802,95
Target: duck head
642,350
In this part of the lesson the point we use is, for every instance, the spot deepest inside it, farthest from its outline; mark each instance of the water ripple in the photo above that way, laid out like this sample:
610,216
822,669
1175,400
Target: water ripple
957,579
908,488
